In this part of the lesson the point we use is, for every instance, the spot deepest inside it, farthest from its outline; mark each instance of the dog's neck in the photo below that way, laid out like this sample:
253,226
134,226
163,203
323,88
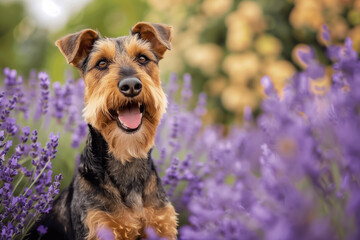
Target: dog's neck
94,156
97,165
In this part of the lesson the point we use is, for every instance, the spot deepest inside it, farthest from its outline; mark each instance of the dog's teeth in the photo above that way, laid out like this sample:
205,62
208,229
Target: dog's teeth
122,123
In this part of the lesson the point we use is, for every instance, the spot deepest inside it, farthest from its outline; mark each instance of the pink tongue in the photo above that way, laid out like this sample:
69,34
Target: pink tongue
130,117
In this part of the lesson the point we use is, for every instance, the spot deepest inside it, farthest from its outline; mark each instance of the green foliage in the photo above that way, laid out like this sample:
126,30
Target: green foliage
24,45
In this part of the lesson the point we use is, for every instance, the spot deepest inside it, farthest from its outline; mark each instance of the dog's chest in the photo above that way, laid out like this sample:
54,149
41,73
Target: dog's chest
133,200
130,180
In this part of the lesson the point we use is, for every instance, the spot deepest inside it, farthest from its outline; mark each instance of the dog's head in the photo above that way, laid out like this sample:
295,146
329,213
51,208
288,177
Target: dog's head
124,99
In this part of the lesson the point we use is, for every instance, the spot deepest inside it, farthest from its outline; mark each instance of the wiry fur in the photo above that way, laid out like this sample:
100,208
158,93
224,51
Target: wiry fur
102,96
116,186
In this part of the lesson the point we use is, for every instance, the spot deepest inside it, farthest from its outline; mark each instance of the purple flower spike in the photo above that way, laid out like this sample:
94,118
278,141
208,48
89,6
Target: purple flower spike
7,123
248,114
151,234
186,92
200,109
104,233
325,33
172,86
58,101
42,230
268,86
39,188
10,81
349,52
79,135
34,136
26,134
45,92
2,136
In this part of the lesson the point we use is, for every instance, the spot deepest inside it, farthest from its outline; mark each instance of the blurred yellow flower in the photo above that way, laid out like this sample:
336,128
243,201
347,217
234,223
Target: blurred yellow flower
307,13
239,34
279,72
172,62
217,85
333,4
252,13
235,98
354,34
268,45
357,5
241,67
169,4
205,56
216,8
338,28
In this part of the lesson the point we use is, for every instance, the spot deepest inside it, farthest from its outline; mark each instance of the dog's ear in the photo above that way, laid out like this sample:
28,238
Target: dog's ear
75,47
159,35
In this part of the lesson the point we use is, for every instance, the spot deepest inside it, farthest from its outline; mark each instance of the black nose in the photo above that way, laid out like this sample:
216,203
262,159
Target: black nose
130,86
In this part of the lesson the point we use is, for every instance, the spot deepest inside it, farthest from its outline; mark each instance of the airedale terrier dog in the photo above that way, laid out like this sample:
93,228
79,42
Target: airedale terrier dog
116,185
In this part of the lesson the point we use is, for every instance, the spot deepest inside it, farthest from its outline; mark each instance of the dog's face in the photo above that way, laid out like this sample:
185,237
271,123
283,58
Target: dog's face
123,95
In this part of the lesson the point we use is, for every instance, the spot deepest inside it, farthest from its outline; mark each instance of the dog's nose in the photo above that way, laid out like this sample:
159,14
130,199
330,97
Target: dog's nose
130,86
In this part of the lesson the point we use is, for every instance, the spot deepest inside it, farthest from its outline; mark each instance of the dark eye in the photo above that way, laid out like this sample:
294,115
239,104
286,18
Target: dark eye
142,59
102,64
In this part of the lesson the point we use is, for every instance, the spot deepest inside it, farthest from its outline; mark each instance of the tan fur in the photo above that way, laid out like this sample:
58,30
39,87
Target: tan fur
162,220
102,96
128,229
75,47
151,185
160,40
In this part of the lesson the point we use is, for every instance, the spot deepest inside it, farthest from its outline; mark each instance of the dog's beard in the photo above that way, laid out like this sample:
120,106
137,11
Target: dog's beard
132,140
128,125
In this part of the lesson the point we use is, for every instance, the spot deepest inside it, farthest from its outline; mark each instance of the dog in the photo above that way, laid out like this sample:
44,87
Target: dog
116,186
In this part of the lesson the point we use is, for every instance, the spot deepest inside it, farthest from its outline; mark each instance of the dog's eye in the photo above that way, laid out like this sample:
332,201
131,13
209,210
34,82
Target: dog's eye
102,64
142,59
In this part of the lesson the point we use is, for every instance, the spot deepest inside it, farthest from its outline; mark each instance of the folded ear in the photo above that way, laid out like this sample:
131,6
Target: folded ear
75,47
159,35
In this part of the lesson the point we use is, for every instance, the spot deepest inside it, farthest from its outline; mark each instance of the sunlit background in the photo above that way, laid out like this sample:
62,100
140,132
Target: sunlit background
226,45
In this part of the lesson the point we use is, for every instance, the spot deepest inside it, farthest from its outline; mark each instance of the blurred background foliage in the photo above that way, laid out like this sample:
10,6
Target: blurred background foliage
226,45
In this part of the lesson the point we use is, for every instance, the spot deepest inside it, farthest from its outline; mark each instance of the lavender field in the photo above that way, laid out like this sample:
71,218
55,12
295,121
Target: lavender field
291,172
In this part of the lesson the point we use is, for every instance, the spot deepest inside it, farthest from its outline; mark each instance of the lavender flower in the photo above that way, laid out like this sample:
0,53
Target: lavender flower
151,234
290,173
171,178
7,123
42,230
186,92
58,104
10,82
45,92
263,181
79,135
23,201
104,233
325,33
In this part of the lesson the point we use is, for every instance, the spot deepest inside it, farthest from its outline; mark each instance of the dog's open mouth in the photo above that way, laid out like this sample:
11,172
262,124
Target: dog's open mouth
129,117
